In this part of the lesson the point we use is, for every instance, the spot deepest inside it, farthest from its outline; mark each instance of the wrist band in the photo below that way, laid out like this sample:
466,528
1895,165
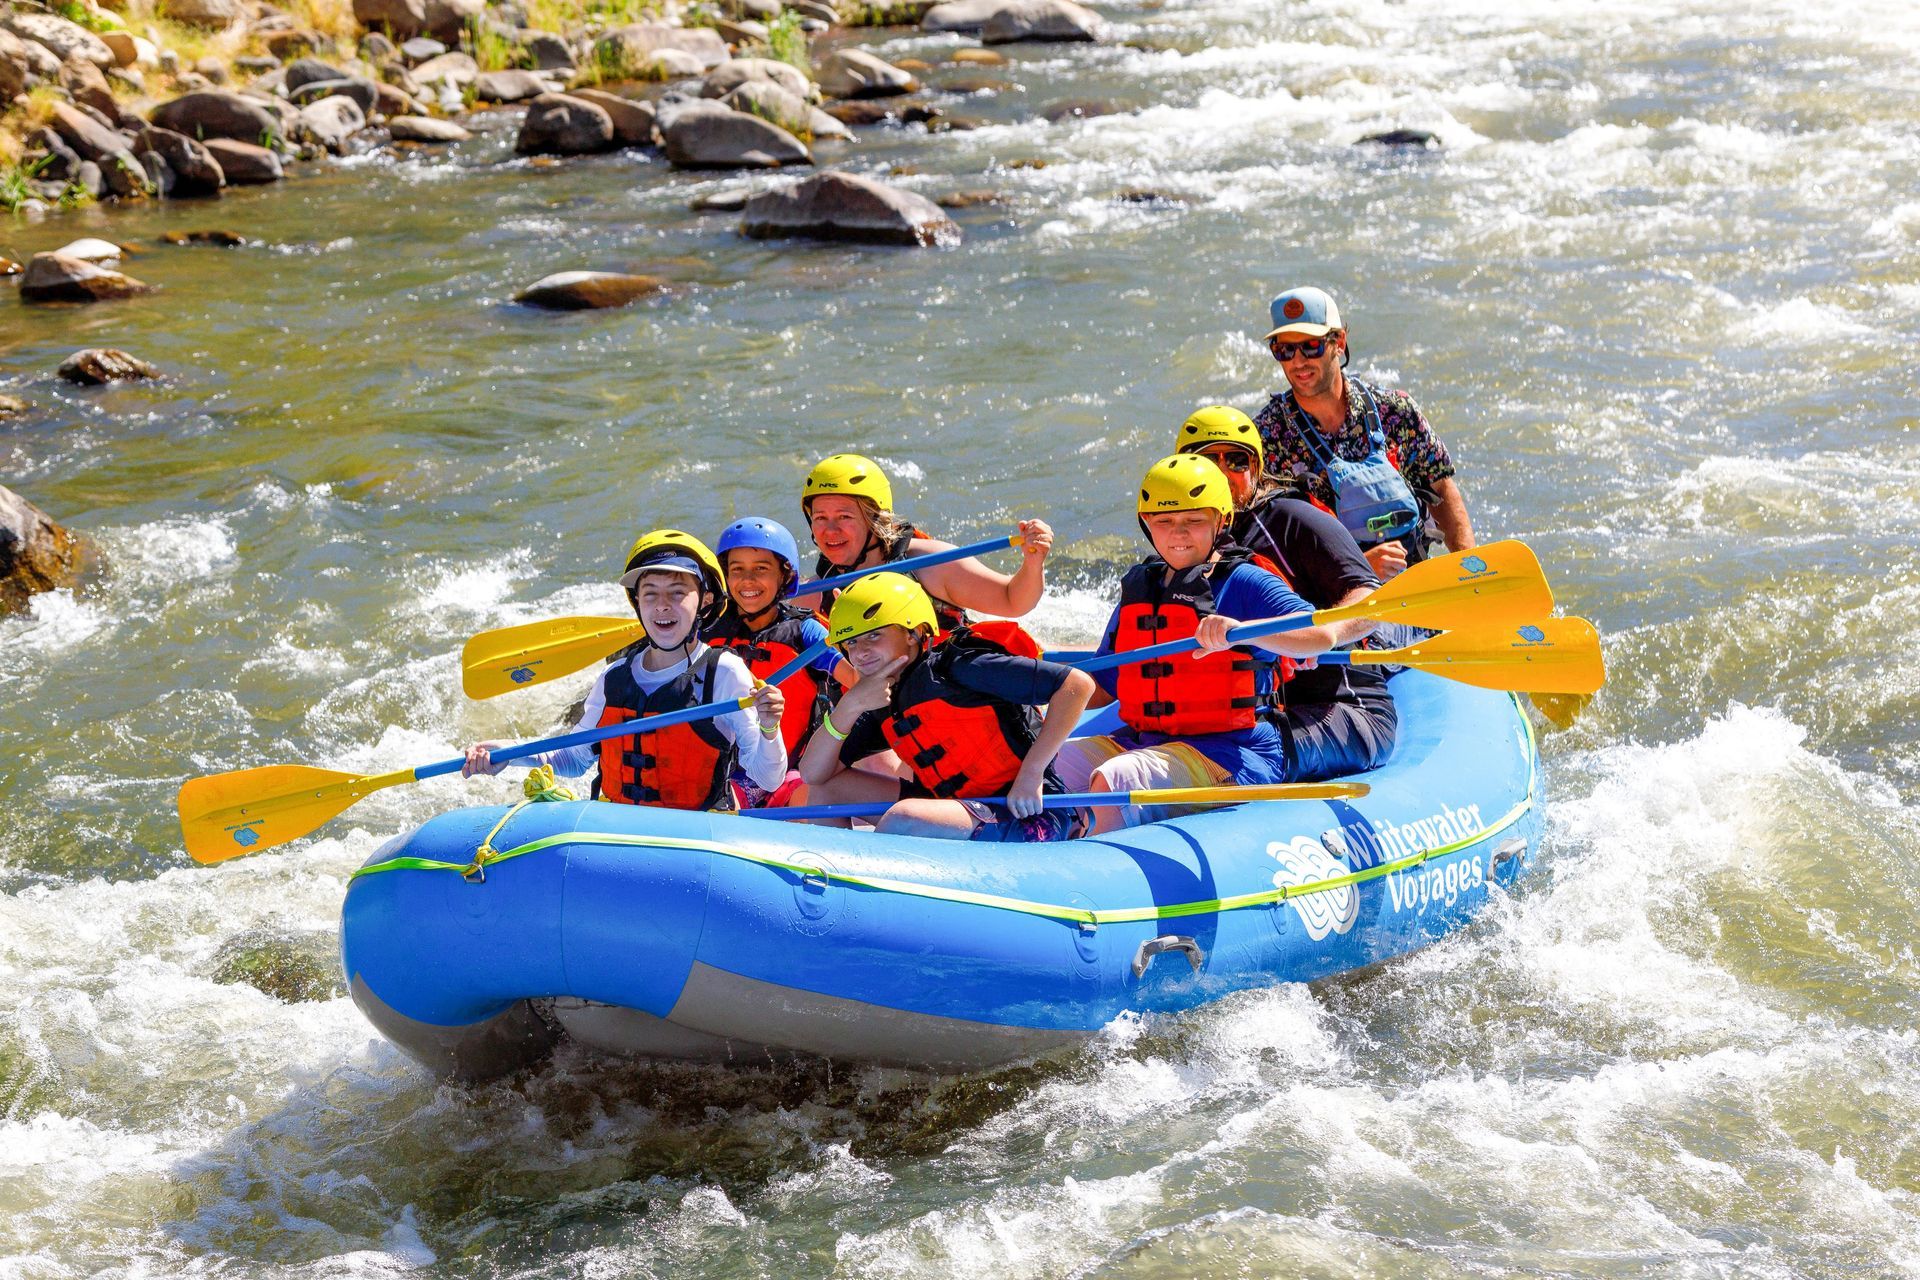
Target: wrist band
770,730
826,722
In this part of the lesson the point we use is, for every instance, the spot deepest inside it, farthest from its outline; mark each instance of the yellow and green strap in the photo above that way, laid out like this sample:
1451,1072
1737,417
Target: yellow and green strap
486,856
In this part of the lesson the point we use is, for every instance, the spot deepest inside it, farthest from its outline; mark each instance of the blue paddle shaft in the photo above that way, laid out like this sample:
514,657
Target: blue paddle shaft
927,561
627,728
1245,631
1065,800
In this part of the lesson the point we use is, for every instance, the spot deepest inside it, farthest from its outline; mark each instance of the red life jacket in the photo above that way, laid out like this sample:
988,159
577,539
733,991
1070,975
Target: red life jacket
960,744
1187,693
948,616
766,651
681,767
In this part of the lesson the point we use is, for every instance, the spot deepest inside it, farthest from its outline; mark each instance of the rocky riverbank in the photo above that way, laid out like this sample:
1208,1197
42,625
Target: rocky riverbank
185,101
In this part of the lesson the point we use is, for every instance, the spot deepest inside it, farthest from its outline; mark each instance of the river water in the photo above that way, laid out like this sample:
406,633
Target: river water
1661,294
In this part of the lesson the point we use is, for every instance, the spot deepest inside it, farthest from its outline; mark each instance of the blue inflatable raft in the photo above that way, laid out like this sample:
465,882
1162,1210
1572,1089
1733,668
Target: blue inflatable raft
711,936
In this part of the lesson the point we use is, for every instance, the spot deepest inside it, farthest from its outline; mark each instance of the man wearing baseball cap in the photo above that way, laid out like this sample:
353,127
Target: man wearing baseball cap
1345,441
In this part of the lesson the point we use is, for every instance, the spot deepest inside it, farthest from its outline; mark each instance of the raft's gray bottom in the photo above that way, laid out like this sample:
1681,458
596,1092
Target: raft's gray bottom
705,1025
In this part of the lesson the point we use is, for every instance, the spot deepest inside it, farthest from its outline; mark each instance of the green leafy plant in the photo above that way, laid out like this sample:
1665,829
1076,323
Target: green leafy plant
16,183
493,50
83,16
787,42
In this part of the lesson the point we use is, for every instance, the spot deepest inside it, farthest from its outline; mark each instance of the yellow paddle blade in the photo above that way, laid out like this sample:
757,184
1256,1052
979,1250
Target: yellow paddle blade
495,662
1240,795
1560,709
1497,585
227,815
1554,655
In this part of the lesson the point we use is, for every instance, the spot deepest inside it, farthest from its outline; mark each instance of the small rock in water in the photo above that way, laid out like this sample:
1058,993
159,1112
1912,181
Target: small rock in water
1079,109
97,366
969,199
707,135
960,15
853,73
294,968
1403,138
54,277
728,76
863,113
91,250
12,405
976,84
914,65
727,200
558,124
35,553
8,267
978,57
632,119
1030,162
1048,20
225,239
588,290
1142,195
845,206
425,129
244,163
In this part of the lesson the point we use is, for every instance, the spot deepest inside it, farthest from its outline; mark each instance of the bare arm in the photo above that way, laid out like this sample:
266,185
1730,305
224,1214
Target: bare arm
1450,513
972,585
1063,713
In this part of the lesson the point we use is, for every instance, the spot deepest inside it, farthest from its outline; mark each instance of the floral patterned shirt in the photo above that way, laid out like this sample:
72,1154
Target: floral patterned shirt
1411,444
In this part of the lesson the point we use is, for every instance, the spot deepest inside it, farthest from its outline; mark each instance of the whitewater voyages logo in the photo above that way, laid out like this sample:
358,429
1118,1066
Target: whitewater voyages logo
1368,844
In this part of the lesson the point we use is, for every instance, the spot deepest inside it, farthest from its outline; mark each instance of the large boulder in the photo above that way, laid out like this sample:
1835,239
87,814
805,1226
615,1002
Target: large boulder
508,86
777,106
558,124
631,47
400,19
67,41
97,366
730,75
960,15
425,129
546,51
217,114
195,171
448,19
55,277
632,118
212,14
588,290
35,553
1042,20
332,122
708,135
244,163
84,133
844,206
854,73
670,64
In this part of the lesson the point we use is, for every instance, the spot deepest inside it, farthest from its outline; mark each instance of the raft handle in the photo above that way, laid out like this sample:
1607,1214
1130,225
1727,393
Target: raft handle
1162,944
1509,850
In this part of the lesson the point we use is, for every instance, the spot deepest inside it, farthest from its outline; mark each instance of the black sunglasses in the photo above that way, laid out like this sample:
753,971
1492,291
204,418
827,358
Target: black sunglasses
1312,348
1230,460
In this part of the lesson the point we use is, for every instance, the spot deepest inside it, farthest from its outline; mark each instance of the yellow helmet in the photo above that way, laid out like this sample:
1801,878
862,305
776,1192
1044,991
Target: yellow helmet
850,475
879,600
1220,424
664,544
1185,482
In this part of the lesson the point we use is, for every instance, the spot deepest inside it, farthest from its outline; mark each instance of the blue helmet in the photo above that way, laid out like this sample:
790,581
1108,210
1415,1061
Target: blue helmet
762,534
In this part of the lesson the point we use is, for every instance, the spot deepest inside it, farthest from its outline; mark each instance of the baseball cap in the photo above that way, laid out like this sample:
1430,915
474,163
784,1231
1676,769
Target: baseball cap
663,564
1307,310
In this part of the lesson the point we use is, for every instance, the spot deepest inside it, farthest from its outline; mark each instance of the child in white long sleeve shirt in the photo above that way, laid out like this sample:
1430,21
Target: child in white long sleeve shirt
675,586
